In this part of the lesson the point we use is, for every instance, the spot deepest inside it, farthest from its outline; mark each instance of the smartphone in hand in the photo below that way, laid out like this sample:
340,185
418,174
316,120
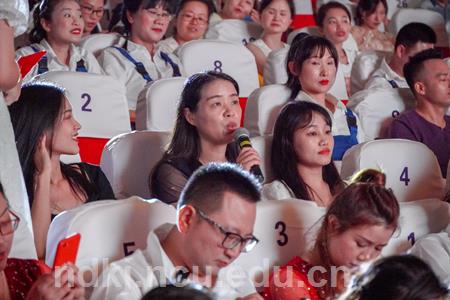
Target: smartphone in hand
67,250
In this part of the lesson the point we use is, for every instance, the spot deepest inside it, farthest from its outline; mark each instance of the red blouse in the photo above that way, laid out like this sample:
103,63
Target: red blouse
20,276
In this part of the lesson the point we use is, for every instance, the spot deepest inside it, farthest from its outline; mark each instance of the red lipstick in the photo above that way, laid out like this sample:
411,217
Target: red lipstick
325,151
324,82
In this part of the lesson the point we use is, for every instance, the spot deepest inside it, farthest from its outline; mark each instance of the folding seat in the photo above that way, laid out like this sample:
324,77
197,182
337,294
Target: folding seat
128,160
275,67
234,31
230,58
99,104
304,14
363,67
417,219
263,107
376,108
110,230
263,144
431,18
411,168
157,104
285,228
99,41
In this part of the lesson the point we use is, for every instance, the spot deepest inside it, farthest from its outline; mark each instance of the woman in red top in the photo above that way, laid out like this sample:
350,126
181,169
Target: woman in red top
358,224
23,278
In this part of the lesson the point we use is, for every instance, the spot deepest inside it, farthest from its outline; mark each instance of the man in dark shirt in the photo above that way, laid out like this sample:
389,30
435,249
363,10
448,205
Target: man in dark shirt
428,77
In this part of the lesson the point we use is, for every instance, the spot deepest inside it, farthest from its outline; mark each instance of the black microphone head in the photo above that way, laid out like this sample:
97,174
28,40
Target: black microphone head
241,132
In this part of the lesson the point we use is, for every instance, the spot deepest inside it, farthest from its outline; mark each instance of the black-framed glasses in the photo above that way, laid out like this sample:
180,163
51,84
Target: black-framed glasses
91,10
10,226
231,239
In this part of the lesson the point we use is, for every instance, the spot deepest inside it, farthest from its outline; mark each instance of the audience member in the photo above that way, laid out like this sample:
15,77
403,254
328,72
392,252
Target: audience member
92,13
369,176
301,155
275,18
439,6
370,14
356,227
334,21
311,67
208,115
191,23
135,60
411,39
401,277
45,129
215,219
235,9
58,27
22,278
428,77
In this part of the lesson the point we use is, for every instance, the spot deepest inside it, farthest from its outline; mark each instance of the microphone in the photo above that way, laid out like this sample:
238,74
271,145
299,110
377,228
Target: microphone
241,135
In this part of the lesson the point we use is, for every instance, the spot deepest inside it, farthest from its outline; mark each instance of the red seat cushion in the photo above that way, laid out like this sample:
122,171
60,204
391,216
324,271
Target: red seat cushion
91,149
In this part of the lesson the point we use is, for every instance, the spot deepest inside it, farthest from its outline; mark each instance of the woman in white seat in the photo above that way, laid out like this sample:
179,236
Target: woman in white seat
301,156
58,27
135,60
275,19
191,23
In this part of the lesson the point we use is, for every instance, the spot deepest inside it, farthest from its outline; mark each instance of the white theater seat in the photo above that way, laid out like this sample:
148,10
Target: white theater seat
232,59
376,108
275,67
285,228
431,18
110,230
157,104
263,145
235,31
363,67
411,168
96,43
128,159
311,30
99,104
417,219
263,107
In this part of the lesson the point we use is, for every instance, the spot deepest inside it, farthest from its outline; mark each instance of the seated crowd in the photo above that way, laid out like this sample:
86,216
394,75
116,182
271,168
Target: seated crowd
208,174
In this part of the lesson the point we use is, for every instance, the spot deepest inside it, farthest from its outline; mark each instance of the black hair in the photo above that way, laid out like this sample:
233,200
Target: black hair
400,277
36,113
132,6
302,49
173,292
205,188
208,4
296,115
264,3
415,32
367,7
413,68
323,10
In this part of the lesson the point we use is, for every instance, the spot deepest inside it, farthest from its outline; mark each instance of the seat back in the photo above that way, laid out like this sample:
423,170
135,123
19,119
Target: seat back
377,108
417,219
235,31
431,18
157,104
411,168
96,43
363,67
110,230
285,228
263,107
263,144
275,67
99,104
304,14
311,30
128,160
232,59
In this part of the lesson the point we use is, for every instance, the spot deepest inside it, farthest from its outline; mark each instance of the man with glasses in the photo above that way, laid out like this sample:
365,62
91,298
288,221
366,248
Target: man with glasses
216,214
92,13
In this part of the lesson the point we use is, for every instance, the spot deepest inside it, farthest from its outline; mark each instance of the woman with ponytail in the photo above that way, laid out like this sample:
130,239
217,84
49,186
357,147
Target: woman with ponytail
58,27
356,227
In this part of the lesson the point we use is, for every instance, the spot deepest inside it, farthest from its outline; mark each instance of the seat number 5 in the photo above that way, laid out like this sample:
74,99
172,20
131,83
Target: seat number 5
283,240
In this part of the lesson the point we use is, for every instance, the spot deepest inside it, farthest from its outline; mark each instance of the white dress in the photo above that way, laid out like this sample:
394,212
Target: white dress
15,12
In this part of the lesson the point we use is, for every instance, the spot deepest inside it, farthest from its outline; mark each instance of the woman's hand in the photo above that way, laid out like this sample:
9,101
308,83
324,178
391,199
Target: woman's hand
42,157
61,284
13,94
248,157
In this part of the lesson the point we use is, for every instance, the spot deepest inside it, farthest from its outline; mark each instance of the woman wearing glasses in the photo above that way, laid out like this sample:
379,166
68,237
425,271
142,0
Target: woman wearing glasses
191,23
92,13
58,27
135,60
22,278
